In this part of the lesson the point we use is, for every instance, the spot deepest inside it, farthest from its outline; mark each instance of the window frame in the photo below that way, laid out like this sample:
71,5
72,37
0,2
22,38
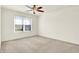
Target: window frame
23,25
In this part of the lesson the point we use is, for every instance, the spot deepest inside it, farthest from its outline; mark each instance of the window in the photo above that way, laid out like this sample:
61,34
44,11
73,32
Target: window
22,23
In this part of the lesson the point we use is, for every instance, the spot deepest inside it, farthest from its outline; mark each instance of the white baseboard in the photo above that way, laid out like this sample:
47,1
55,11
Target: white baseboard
44,37
20,38
59,40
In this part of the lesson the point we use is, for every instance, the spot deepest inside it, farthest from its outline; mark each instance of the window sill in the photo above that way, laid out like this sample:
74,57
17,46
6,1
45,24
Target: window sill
21,31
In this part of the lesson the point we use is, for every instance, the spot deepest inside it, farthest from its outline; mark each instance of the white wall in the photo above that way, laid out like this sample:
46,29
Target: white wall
8,25
0,26
62,25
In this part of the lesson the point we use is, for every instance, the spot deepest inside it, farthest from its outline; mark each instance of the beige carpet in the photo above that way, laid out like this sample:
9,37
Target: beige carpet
38,44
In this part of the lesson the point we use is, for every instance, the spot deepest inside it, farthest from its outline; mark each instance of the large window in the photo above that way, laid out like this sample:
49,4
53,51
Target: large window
22,23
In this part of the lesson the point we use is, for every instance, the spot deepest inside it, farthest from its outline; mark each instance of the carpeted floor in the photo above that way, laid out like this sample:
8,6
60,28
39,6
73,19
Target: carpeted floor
38,44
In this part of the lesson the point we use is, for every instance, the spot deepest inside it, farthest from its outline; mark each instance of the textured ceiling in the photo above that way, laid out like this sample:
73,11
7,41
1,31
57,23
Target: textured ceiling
22,8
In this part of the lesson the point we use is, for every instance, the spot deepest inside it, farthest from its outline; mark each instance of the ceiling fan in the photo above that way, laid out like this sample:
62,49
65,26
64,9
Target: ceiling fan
35,8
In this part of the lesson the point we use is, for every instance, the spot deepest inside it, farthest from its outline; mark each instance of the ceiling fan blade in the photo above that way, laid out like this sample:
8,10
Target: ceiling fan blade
29,10
39,7
40,10
28,6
